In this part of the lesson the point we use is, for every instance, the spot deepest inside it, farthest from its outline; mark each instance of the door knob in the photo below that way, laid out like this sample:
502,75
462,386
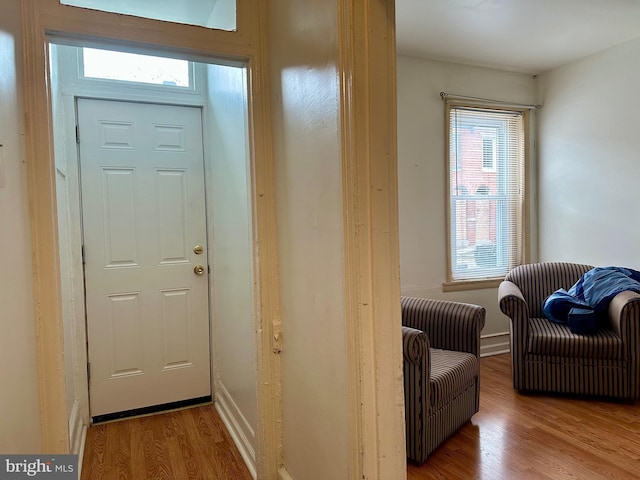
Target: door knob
198,269
198,249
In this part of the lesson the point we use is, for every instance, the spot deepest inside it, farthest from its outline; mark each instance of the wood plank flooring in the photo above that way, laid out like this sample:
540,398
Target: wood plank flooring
513,437
546,437
190,444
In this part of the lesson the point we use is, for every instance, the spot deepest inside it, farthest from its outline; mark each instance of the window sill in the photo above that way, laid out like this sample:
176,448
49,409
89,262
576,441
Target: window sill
462,285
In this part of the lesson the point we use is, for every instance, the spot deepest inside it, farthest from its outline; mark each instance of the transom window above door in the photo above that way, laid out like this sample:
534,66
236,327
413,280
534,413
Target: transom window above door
215,14
132,67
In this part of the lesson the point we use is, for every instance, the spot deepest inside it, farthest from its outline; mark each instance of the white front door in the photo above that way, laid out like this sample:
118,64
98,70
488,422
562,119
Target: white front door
143,212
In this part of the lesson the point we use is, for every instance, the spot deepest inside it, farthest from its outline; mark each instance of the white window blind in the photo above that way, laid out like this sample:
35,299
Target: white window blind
486,191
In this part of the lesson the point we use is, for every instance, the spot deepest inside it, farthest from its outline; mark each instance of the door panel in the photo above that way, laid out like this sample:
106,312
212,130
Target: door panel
143,212
172,216
119,209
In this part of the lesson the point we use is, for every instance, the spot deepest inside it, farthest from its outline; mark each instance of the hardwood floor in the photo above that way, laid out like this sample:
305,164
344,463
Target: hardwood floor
548,437
513,437
185,444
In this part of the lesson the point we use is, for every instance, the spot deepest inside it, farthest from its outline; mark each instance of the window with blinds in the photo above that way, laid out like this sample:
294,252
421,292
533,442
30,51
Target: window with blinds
486,191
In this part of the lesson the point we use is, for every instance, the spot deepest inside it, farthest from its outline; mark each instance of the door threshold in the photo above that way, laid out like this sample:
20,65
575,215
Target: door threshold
138,412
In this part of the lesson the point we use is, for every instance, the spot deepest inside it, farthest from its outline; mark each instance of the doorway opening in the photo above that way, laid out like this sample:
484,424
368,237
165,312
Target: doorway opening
155,230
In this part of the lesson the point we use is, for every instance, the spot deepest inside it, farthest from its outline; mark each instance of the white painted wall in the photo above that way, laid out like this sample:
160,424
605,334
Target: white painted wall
19,403
303,56
229,217
422,176
589,166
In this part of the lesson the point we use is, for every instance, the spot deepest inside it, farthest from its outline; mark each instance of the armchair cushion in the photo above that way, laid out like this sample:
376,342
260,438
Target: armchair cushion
556,339
451,374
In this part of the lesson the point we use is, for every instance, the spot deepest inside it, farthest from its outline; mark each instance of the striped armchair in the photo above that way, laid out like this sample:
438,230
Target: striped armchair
441,349
546,356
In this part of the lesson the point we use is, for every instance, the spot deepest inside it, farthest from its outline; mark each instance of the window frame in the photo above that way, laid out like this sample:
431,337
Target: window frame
491,281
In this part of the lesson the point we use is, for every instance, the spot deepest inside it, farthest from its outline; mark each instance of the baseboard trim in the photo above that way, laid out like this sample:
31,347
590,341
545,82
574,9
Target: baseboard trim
77,434
75,428
237,426
80,453
495,344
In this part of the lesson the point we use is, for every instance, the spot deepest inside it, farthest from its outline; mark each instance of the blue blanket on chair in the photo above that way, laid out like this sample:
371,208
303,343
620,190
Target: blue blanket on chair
588,300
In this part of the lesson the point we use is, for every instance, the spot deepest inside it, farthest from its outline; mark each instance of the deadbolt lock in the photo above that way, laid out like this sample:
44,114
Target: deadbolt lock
198,269
198,249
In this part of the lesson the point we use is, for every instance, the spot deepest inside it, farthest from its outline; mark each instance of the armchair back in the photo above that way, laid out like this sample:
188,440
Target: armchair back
449,325
539,280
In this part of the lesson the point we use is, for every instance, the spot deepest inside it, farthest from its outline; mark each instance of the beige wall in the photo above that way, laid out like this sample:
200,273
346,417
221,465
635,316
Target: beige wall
422,175
303,49
589,165
19,408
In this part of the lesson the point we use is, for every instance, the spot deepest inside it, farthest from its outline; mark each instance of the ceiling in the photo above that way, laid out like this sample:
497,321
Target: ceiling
528,36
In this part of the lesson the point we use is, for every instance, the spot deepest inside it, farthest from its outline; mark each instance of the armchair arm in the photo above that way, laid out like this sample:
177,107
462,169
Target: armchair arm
624,315
415,347
449,325
511,300
416,369
624,309
513,304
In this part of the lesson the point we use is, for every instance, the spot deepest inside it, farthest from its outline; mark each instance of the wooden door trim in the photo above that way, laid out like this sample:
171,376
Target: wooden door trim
367,68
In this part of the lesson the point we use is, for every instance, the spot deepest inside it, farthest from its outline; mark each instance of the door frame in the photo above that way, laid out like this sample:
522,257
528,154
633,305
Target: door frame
69,87
42,18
